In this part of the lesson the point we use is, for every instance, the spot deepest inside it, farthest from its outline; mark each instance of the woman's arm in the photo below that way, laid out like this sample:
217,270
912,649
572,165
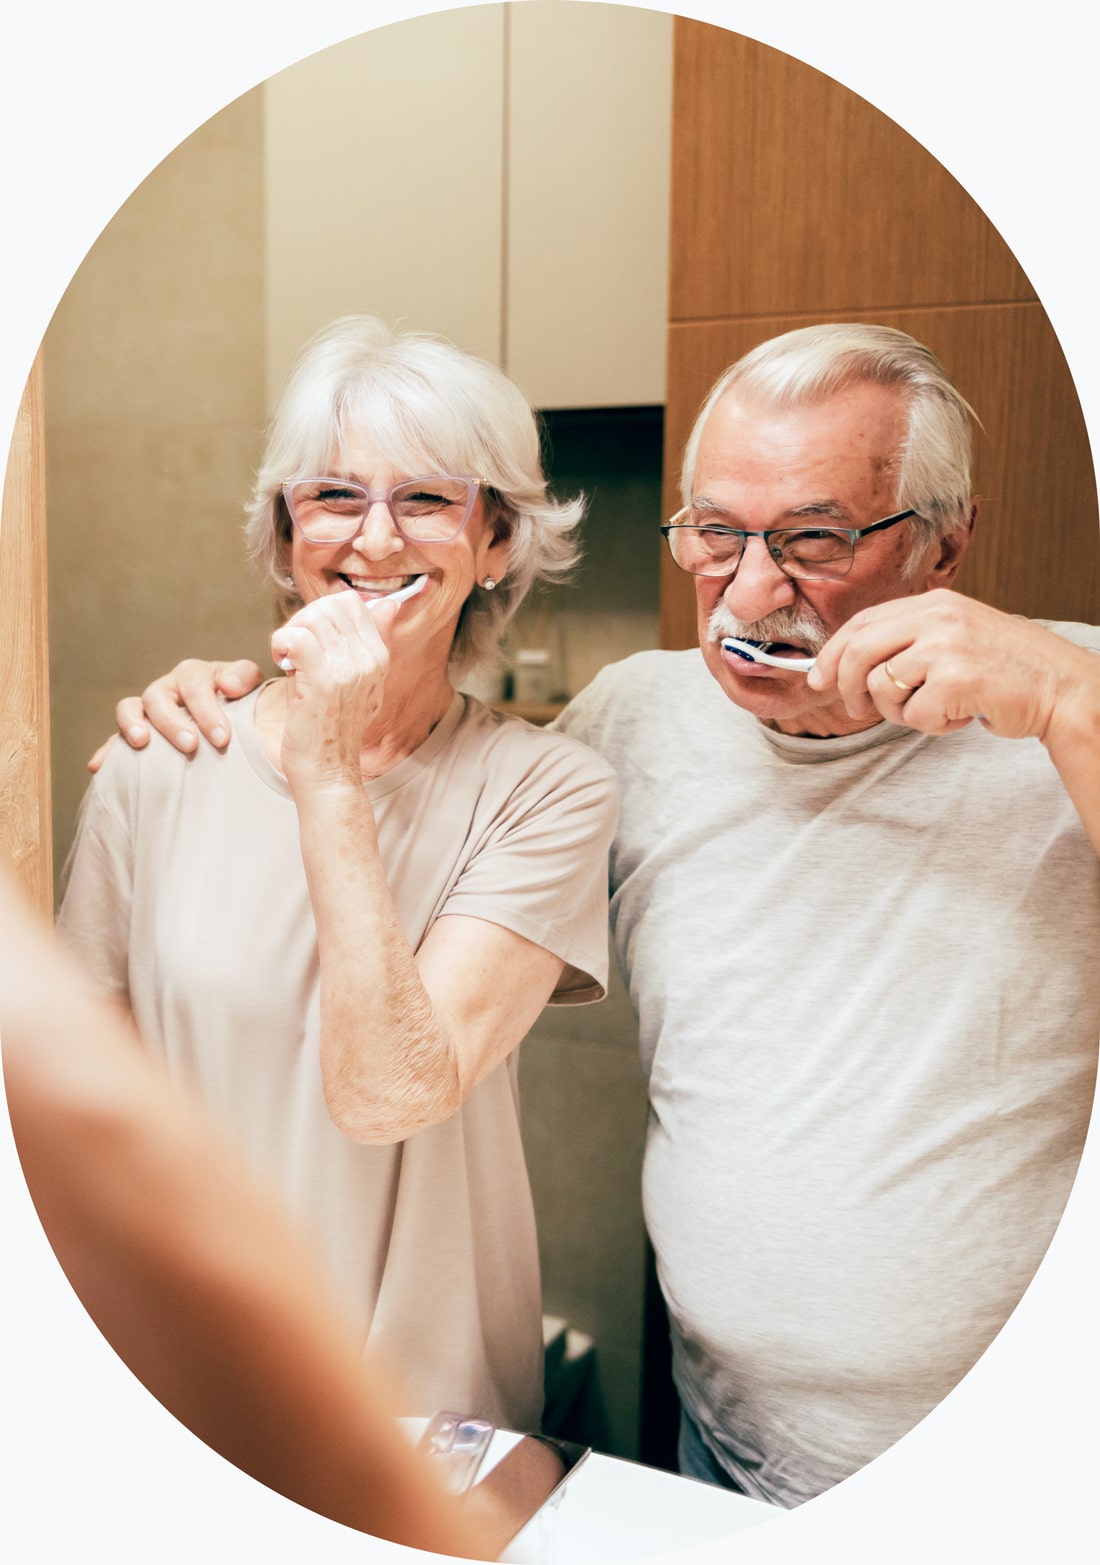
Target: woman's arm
404,1037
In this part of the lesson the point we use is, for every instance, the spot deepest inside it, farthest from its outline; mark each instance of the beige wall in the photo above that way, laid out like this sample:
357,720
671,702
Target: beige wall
154,368
496,173
393,143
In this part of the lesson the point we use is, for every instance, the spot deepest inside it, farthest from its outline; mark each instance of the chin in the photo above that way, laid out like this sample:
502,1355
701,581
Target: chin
765,695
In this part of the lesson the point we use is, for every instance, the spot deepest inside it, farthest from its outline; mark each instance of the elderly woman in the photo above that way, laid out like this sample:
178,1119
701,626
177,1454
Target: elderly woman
341,927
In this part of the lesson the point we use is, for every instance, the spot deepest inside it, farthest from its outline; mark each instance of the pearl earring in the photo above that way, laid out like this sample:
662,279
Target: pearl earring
489,583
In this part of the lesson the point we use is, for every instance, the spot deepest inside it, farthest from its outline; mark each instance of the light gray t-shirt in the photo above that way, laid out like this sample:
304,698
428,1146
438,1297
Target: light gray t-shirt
187,898
866,974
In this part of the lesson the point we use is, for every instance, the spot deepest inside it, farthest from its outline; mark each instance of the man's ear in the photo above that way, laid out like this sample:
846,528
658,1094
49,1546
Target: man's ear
945,563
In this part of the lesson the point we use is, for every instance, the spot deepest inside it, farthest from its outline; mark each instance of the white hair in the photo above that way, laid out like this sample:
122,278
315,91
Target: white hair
429,407
931,467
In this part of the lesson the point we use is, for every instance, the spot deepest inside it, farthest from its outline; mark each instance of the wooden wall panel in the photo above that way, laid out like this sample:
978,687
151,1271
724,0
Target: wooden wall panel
790,193
794,201
25,835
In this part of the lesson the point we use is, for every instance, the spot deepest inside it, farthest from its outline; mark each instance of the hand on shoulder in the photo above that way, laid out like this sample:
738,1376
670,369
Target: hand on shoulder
183,705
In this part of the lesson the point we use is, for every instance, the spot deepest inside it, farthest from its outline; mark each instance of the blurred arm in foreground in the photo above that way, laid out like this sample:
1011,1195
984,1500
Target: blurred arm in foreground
191,1271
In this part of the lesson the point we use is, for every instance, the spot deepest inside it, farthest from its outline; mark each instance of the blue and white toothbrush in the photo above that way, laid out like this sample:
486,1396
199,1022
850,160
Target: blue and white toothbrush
753,652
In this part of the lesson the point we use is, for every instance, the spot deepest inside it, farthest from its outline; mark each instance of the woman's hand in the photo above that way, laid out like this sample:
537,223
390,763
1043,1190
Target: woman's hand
337,658
181,705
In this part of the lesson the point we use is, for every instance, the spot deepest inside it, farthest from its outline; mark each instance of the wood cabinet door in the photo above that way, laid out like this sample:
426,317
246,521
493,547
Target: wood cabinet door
794,201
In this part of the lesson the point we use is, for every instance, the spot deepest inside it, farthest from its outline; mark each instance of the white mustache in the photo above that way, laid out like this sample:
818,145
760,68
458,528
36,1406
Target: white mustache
797,627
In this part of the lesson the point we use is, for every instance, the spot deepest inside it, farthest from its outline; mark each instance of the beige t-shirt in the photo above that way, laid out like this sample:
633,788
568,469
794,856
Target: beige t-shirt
187,897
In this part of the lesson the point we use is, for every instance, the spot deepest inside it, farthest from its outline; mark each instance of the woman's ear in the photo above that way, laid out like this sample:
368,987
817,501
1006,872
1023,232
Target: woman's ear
282,571
496,546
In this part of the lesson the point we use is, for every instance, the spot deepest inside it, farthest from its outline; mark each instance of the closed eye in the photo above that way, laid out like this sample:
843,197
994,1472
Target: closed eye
333,493
426,497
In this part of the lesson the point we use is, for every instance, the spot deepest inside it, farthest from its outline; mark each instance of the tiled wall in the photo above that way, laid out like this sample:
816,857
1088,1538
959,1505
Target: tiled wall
154,418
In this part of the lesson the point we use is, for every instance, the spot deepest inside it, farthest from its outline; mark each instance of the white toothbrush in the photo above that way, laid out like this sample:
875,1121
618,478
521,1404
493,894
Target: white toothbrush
417,584
755,654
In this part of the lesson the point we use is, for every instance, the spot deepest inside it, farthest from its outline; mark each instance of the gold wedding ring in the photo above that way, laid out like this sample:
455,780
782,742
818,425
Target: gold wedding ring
894,680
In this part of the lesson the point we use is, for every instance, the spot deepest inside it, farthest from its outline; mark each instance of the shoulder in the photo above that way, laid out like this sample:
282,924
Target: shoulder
635,700
528,750
127,773
159,771
510,756
622,687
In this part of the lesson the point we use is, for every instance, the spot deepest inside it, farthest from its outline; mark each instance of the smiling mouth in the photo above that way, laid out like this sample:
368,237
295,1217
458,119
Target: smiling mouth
379,587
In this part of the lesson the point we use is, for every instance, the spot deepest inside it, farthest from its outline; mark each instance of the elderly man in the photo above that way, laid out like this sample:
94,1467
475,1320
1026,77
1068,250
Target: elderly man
859,929
858,926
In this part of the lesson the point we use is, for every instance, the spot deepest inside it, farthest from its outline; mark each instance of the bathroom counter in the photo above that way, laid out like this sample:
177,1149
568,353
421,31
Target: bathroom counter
611,1510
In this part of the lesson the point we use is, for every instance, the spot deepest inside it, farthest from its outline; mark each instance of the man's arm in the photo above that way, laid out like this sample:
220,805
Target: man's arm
183,704
954,661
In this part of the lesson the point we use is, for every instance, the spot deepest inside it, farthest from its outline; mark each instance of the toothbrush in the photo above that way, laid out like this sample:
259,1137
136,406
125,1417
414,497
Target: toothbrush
417,584
756,654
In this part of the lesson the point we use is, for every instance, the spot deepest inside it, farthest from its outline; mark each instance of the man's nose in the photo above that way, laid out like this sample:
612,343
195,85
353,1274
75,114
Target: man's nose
758,585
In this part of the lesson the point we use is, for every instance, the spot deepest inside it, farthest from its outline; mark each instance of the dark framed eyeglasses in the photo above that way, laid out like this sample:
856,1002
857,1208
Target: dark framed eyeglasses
711,548
434,509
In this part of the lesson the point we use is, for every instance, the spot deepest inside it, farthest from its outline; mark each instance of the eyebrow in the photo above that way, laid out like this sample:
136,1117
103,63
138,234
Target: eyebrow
828,508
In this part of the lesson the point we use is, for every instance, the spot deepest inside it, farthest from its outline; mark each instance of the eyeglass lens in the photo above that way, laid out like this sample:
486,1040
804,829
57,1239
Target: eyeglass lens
329,510
818,552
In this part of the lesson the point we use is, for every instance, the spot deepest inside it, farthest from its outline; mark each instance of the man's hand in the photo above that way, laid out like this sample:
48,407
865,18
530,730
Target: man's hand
182,705
938,661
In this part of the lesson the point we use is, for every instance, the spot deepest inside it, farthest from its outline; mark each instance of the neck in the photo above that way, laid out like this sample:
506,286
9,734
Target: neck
829,723
403,722
410,709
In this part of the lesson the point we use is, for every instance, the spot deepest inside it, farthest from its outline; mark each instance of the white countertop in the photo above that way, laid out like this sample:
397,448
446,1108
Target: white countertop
611,1510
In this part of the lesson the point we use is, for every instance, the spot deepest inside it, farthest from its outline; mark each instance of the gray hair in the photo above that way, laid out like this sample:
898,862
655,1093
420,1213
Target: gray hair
932,466
429,407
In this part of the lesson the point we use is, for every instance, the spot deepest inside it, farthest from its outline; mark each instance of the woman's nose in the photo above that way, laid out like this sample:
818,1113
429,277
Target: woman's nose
758,586
378,535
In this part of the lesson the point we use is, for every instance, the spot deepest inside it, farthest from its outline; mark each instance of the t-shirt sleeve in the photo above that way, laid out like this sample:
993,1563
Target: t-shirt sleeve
541,869
94,921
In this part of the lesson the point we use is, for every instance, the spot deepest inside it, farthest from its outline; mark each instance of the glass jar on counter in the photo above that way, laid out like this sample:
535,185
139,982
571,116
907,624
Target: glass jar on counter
531,676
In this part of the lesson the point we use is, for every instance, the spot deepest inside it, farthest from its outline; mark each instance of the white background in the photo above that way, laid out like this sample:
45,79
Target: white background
92,96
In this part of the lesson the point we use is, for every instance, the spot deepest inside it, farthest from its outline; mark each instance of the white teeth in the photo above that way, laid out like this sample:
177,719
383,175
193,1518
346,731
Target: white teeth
378,583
